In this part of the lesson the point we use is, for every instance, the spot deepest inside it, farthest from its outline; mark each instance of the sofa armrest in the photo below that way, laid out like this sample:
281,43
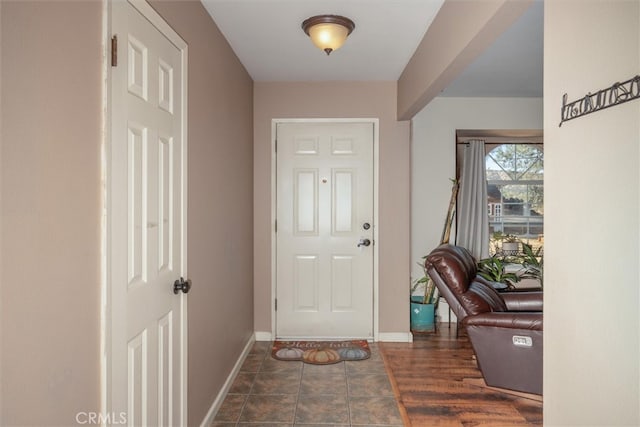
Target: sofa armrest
515,320
523,301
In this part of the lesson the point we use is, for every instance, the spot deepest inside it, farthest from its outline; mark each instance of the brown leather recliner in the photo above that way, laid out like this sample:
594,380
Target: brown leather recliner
505,329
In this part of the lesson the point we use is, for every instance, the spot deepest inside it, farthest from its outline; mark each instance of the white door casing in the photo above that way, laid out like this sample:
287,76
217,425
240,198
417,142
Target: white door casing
325,190
146,328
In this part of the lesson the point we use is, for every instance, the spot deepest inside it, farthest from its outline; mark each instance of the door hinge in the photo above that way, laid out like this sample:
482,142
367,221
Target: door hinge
276,304
276,226
276,145
114,51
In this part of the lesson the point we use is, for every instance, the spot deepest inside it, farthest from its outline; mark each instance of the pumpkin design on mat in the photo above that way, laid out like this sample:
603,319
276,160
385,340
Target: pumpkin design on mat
353,353
323,356
290,353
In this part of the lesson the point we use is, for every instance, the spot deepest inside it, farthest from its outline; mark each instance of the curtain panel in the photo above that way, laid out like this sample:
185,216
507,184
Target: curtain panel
473,218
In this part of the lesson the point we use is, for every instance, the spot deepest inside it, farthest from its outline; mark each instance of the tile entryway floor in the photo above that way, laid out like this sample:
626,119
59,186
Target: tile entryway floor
269,392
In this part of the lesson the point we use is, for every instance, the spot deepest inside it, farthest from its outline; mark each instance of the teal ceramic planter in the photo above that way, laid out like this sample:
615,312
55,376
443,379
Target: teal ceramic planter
422,316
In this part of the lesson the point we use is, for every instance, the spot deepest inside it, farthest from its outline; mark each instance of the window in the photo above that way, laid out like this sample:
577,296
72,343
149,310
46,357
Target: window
515,191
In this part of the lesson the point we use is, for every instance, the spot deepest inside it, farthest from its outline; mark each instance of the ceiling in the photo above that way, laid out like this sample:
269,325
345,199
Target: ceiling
267,37
511,66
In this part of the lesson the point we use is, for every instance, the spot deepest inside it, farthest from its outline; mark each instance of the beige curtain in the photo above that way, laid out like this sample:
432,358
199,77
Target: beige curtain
473,218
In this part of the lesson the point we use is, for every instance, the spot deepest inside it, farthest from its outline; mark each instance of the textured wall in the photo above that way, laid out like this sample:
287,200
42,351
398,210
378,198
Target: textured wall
50,221
592,218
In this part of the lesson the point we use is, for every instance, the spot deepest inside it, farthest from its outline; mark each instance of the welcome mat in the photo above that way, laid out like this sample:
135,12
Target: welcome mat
321,352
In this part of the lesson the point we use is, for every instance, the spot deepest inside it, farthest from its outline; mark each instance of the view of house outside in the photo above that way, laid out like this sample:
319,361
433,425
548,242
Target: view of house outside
515,192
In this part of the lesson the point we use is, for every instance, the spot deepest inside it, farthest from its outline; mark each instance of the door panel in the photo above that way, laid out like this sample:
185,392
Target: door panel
305,202
342,282
146,223
342,203
324,196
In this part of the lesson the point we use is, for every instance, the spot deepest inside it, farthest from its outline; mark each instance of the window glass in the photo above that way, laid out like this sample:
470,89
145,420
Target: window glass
515,190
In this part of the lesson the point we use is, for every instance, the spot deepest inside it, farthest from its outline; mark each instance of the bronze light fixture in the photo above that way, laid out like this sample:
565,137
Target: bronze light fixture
328,32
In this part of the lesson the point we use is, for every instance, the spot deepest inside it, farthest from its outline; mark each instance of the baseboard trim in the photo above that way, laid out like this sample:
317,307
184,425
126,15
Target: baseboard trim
382,336
395,337
215,406
263,336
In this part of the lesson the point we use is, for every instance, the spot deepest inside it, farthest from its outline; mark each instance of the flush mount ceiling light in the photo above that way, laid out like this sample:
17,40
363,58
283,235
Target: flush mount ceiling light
328,32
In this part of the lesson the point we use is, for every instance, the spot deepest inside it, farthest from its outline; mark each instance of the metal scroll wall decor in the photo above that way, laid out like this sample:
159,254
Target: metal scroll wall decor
618,93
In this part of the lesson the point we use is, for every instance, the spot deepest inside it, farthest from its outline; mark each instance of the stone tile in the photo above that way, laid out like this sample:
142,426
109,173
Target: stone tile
276,383
369,385
274,393
261,347
365,367
322,425
243,382
252,363
264,425
269,409
325,409
334,368
375,353
273,365
314,384
368,410
231,408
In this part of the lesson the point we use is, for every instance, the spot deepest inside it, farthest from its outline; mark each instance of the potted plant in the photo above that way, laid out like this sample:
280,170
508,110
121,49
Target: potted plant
532,261
493,270
506,244
424,297
509,243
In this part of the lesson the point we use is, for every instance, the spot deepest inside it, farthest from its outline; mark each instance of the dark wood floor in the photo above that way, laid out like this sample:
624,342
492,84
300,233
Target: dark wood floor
436,379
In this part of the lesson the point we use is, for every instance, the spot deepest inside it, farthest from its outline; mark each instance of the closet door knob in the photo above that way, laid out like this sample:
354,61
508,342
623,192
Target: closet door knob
181,285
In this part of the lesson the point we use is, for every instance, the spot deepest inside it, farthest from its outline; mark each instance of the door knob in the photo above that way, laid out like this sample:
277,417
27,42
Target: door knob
364,242
181,285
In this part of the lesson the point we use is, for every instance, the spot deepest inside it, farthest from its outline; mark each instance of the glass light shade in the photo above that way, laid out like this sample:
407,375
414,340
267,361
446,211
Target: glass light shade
328,36
328,32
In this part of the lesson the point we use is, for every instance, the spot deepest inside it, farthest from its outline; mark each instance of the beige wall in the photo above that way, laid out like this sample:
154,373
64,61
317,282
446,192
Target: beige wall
220,235
592,215
50,223
50,220
1,224
338,100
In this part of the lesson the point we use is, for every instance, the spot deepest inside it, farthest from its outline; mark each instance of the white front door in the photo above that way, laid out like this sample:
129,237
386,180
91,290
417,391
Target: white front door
146,220
324,233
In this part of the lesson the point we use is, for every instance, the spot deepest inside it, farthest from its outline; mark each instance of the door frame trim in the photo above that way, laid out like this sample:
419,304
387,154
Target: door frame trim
106,386
376,133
